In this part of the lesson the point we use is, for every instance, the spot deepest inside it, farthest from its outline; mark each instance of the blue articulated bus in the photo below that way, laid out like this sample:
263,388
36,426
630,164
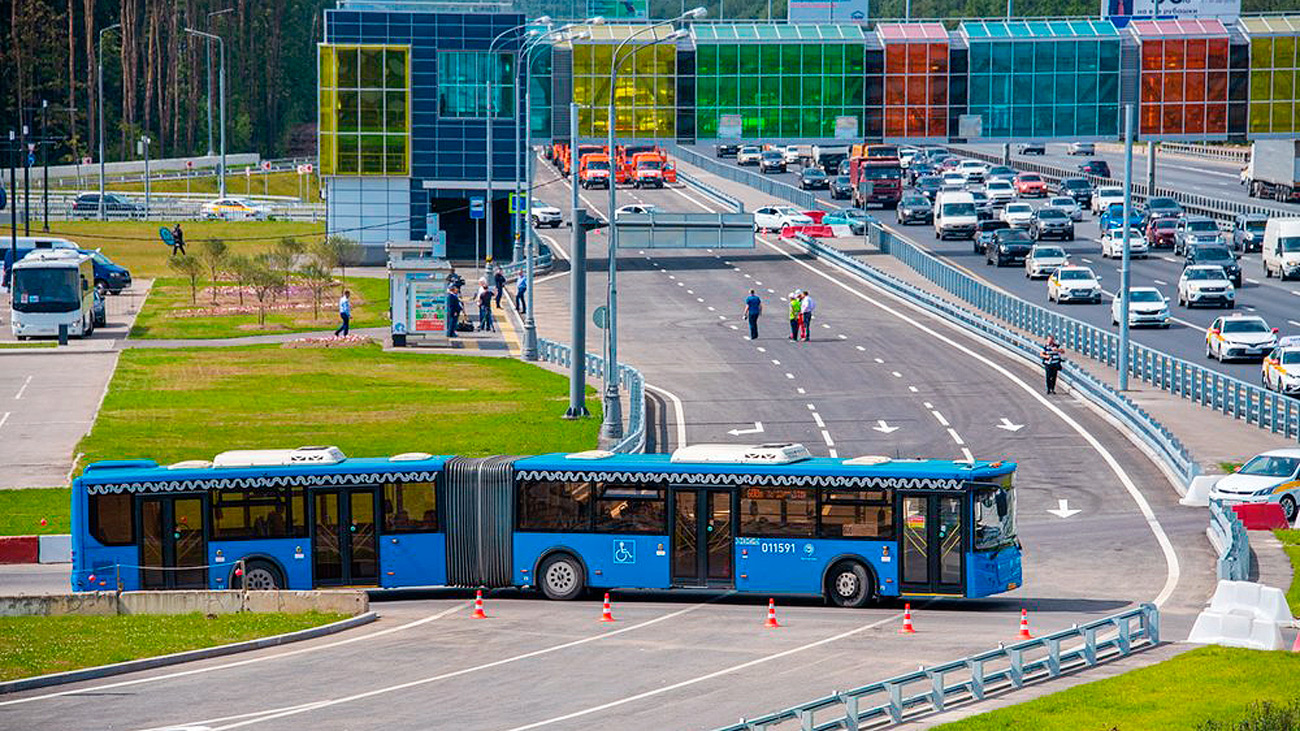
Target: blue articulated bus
757,519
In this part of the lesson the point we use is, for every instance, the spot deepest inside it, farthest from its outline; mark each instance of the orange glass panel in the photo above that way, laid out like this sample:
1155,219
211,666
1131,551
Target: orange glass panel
1194,89
939,91
894,90
1218,55
896,58
1216,119
1196,53
1151,56
938,122
894,121
916,91
1173,87
1216,87
916,58
938,58
1150,86
1174,56
1173,119
916,122
1150,119
1194,118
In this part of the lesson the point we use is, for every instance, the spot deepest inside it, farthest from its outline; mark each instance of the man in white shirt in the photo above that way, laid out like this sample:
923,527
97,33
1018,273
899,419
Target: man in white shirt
806,309
345,313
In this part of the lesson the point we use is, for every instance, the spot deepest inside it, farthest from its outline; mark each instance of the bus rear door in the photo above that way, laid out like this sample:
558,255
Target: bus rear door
172,537
345,537
933,545
704,534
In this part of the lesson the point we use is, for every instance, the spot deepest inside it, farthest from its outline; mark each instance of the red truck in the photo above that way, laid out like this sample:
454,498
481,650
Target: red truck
876,178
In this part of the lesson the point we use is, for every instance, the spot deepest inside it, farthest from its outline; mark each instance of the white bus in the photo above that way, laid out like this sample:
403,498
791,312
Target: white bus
52,287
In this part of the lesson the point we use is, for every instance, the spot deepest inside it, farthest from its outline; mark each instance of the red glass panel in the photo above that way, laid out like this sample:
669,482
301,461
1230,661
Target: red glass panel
894,121
1150,119
1216,88
1151,56
896,59
894,90
938,58
1194,89
1194,118
1173,87
1218,55
938,122
939,91
1216,119
1150,86
1196,53
916,91
1174,56
916,58
1173,119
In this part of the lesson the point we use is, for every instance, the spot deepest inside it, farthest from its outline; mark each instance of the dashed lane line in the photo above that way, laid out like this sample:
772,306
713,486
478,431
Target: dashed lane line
23,390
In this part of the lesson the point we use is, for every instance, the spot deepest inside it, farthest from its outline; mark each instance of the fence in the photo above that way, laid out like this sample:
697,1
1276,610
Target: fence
162,207
1207,152
933,689
774,188
1228,536
629,378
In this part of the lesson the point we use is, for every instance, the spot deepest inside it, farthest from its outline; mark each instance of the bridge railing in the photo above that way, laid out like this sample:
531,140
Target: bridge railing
775,188
633,441
936,688
1228,536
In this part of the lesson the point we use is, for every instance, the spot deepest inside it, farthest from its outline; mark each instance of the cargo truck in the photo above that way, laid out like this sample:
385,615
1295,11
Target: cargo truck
1274,170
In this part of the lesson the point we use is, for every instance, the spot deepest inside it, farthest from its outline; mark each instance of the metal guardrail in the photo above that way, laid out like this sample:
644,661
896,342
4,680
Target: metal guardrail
629,378
1228,536
734,203
934,689
774,188
162,207
1207,152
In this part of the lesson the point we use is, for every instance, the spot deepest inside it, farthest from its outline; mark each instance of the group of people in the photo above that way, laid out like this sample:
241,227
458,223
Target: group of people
802,308
490,292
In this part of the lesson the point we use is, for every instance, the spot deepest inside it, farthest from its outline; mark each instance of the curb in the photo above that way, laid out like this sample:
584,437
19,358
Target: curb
19,549
148,663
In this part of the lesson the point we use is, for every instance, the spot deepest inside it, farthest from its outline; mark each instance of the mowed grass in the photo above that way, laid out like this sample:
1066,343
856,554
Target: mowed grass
136,246
23,509
171,295
1291,544
1179,693
40,645
285,183
191,403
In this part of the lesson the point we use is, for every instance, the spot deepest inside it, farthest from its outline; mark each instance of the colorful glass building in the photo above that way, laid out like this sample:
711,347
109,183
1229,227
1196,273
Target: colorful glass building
916,80
1274,81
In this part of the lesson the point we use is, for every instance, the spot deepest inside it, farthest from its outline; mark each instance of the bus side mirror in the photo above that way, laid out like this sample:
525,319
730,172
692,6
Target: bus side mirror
1001,500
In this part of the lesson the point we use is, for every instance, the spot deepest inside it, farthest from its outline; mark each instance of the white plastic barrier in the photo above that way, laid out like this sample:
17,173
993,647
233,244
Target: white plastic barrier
1243,614
1264,602
1198,492
55,549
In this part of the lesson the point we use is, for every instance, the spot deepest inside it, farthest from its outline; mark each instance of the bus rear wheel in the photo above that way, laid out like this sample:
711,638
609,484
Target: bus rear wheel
561,577
848,585
258,576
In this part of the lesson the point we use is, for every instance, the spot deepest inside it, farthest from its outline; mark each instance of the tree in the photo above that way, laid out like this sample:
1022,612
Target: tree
337,252
214,255
239,267
318,279
265,280
190,267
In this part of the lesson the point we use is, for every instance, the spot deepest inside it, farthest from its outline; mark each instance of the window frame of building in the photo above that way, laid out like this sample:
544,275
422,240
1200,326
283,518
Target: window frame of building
374,138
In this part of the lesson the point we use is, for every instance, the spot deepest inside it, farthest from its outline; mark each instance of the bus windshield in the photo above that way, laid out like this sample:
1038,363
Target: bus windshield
995,517
46,290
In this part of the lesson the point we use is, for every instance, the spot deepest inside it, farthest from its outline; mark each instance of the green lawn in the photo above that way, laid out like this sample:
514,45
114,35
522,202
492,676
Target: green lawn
136,246
171,295
1180,693
16,346
1291,544
175,404
22,509
40,645
236,185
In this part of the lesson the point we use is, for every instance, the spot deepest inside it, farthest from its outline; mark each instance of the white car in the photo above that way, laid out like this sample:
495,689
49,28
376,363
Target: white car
775,218
749,155
1281,369
234,209
1018,215
1270,477
1044,259
544,215
1112,244
790,154
1205,284
1074,284
905,155
1067,204
1239,336
972,169
634,208
953,181
1104,196
1146,306
1000,191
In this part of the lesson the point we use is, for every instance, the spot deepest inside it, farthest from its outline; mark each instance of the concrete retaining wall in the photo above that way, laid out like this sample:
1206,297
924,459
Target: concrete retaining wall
102,603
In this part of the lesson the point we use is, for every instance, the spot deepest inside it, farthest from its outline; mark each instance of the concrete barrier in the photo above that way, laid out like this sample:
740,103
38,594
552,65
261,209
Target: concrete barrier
19,549
54,549
1243,614
349,602
1261,516
1198,492
1263,602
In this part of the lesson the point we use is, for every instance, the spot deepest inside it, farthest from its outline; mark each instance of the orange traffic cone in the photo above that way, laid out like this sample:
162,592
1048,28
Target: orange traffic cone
907,629
605,614
771,622
478,606
1024,626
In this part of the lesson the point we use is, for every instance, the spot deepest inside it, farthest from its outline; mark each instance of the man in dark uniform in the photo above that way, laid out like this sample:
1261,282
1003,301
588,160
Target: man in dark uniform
1051,357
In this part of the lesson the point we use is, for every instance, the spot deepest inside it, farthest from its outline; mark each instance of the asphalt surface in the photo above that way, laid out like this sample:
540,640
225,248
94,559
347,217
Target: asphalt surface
702,660
1276,301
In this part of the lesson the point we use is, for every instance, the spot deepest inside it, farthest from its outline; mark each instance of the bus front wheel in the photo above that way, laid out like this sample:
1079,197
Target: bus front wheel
849,585
259,576
561,577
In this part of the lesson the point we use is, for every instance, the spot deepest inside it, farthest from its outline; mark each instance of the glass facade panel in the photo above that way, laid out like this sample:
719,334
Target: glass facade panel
1180,95
645,97
916,89
364,110
1047,87
1273,85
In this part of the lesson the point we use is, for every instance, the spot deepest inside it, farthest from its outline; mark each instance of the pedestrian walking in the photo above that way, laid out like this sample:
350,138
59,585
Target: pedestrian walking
521,288
753,308
806,309
499,279
454,308
484,297
178,240
796,307
345,314
1051,362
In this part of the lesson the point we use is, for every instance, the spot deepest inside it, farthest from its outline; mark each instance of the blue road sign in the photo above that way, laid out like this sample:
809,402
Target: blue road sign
518,202
2,197
477,207
31,159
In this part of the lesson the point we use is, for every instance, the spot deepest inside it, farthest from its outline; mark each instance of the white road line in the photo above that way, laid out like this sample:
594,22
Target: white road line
771,291
757,283
23,390
1252,281
761,349
1161,282
801,391
818,418
878,360
966,453
790,376
833,452
1294,322
811,407
826,436
913,389
955,436
679,413
712,309
733,327
897,374
842,336
681,284
776,362
722,317
927,404
691,291
859,347
939,416
4,418
1086,260
669,276
828,327
700,300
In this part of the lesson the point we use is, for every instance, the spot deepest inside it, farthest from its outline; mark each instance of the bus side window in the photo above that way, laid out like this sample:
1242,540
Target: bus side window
554,506
777,512
111,521
410,507
858,514
630,509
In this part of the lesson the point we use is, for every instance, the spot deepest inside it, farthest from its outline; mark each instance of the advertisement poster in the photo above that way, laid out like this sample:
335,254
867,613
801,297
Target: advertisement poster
834,11
1224,9
429,305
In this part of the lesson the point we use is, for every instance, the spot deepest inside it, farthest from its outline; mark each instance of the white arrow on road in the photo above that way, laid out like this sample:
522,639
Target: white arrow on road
1064,511
758,429
1006,424
884,428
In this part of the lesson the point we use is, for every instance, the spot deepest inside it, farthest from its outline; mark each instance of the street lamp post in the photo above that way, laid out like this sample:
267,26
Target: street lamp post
611,427
208,89
221,92
487,84
99,79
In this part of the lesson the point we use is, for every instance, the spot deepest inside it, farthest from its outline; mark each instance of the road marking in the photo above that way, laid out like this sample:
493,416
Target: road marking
758,283
801,391
790,376
758,429
691,291
833,452
771,291
1063,509
828,327
713,309
733,327
4,418
826,436
811,407
678,409
955,436
818,418
842,336
937,415
878,360
776,362
883,427
671,276
722,317
681,284
1086,260
1009,426
761,349
1161,282
897,374
700,300
1293,322
859,347
23,390
965,451
1252,281
746,276
913,389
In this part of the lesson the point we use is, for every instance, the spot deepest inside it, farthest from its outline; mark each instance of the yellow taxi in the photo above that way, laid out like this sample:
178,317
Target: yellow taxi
1281,369
234,209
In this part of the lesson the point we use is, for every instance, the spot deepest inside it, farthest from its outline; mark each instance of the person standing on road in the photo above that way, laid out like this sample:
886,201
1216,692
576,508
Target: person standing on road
454,309
521,289
345,314
499,279
484,298
795,307
178,240
1051,357
753,308
806,308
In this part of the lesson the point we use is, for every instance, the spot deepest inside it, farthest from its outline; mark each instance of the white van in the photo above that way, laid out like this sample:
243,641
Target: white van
53,288
955,214
24,246
1282,248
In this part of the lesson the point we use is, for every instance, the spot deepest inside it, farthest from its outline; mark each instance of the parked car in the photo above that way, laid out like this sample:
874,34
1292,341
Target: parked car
841,187
1030,185
928,186
1239,336
1077,188
771,161
1074,284
1000,192
1081,148
1104,197
726,149
1218,255
1147,306
1205,285
1044,259
1033,148
1010,245
1281,368
98,309
749,155
1248,231
1067,204
1268,477
86,205
1193,230
110,277
775,218
811,178
1112,243
914,208
1051,223
1160,232
544,215
1161,206
1000,172
233,209
1018,215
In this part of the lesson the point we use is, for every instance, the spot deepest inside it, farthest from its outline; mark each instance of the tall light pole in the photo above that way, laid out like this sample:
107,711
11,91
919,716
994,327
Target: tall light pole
208,89
1124,268
221,92
612,425
99,78
487,85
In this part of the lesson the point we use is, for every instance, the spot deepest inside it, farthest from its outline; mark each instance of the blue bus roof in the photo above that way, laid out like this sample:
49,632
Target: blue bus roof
817,466
132,475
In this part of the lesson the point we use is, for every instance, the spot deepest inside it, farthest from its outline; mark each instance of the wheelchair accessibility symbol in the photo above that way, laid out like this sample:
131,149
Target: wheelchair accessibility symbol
624,552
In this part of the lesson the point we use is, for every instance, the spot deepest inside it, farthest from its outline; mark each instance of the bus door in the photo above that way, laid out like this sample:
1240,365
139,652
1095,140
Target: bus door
704,534
345,537
172,538
934,539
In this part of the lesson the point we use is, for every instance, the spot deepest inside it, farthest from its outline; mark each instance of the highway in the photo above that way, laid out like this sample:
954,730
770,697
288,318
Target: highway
1276,301
878,377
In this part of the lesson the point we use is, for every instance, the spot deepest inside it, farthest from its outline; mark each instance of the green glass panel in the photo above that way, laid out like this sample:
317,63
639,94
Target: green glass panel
1282,116
1000,90
395,111
1108,88
812,90
1087,90
855,61
791,60
1284,53
1064,91
789,122
1022,56
749,123
348,154
769,58
1085,120
728,91
748,59
1108,119
791,91
979,90
1108,56
981,58
1067,57
706,60
706,123
810,122
833,59
748,89
1063,122
1044,57
1088,59
769,91
1022,87
1044,91
706,91
347,111
1260,117
1002,62
832,90
1261,85
395,68
854,92
372,68
1283,86
1261,53
347,66
812,59
727,59
1022,121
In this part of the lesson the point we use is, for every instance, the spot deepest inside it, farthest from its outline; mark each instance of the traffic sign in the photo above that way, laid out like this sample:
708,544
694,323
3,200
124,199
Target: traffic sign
266,165
477,207
518,202
189,164
600,316
2,197
309,168
87,161
31,159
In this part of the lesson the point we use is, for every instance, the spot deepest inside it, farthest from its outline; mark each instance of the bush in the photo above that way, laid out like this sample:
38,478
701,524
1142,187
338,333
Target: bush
1263,716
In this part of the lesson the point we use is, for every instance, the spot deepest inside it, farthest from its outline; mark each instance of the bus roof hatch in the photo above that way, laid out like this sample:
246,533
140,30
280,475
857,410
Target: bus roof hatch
786,453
